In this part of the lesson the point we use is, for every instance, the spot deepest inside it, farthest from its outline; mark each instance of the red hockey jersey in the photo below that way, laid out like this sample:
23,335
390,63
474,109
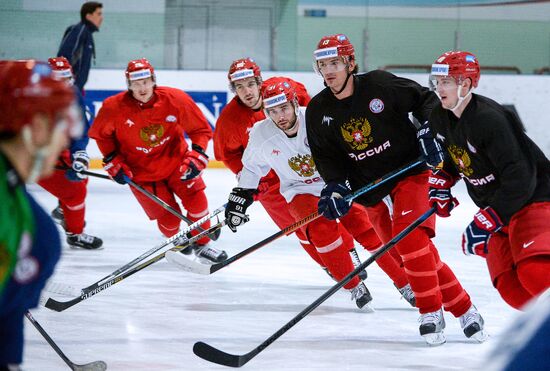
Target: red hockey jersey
149,137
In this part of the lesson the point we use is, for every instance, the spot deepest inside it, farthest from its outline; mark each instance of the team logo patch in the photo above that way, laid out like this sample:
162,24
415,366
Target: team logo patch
461,159
303,165
376,105
171,118
152,134
356,133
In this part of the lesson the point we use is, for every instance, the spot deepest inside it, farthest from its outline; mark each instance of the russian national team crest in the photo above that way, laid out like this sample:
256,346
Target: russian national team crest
461,159
303,165
376,105
152,134
356,133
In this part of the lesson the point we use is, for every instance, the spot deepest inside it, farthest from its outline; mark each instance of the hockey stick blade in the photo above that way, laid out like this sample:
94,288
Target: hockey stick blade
60,306
187,265
211,354
194,267
92,366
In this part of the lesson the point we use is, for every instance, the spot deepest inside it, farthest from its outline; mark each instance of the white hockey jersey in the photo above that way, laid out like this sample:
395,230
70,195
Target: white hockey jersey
290,158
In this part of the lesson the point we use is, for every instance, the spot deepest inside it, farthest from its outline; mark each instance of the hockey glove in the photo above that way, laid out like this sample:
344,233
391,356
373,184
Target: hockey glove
235,211
194,163
332,204
81,162
116,169
439,195
430,147
476,236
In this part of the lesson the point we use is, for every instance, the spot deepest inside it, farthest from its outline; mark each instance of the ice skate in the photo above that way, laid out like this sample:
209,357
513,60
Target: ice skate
408,294
431,327
58,217
472,325
357,262
210,255
84,241
362,297
184,241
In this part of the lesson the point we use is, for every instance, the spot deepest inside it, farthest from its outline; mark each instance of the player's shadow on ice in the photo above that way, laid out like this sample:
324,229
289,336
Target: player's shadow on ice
282,308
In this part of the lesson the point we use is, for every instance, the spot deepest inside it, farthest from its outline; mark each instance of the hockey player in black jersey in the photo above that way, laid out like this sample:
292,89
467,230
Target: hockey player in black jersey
359,130
506,175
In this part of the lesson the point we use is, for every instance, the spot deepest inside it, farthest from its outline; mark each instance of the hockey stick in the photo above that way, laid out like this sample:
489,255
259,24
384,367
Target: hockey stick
211,354
92,366
151,196
60,306
60,288
195,267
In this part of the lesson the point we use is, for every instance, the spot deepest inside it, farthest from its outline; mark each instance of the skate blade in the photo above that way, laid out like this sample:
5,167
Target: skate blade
367,308
480,336
435,339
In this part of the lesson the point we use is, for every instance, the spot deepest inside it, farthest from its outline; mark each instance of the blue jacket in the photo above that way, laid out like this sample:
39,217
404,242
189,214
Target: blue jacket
81,143
78,47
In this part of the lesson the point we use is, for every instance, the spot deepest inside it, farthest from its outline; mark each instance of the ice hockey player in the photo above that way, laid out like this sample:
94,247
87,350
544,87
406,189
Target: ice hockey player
69,185
506,174
36,118
231,138
140,133
359,130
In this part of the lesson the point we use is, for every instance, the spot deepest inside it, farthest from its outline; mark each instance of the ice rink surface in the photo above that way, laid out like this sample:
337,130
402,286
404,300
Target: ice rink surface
151,320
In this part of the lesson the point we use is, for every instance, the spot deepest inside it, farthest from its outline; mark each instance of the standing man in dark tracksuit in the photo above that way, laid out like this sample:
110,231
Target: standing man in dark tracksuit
506,174
78,45
359,130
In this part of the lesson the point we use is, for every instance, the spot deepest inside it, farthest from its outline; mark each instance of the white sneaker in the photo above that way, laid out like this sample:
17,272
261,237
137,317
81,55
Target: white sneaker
472,325
362,297
408,294
431,327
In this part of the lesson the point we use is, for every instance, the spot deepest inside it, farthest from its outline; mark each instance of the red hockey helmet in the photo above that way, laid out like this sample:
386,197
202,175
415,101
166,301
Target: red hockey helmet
61,67
28,87
139,69
457,64
243,68
334,46
277,93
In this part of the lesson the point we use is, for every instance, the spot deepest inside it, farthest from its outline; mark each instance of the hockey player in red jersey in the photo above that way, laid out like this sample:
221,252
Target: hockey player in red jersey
140,132
300,184
69,185
506,175
359,130
231,138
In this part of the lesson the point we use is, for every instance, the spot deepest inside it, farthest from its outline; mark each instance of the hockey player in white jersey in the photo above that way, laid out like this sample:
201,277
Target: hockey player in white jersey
280,143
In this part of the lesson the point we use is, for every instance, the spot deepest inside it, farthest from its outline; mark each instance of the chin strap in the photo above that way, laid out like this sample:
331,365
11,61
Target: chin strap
343,87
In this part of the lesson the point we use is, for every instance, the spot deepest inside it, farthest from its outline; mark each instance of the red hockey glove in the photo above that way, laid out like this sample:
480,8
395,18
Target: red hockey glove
116,169
194,163
440,196
476,236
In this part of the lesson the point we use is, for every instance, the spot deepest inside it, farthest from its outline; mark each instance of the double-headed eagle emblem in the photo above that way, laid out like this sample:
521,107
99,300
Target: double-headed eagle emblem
461,159
356,133
303,165
152,134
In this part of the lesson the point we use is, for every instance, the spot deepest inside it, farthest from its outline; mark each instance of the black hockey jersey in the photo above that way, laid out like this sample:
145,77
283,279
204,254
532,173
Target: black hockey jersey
502,167
369,134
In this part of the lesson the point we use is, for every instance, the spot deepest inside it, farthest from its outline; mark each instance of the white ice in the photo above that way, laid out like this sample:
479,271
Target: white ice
151,320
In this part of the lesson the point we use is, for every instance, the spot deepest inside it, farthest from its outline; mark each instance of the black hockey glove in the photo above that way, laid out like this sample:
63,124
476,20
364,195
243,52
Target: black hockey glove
235,211
430,147
332,204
